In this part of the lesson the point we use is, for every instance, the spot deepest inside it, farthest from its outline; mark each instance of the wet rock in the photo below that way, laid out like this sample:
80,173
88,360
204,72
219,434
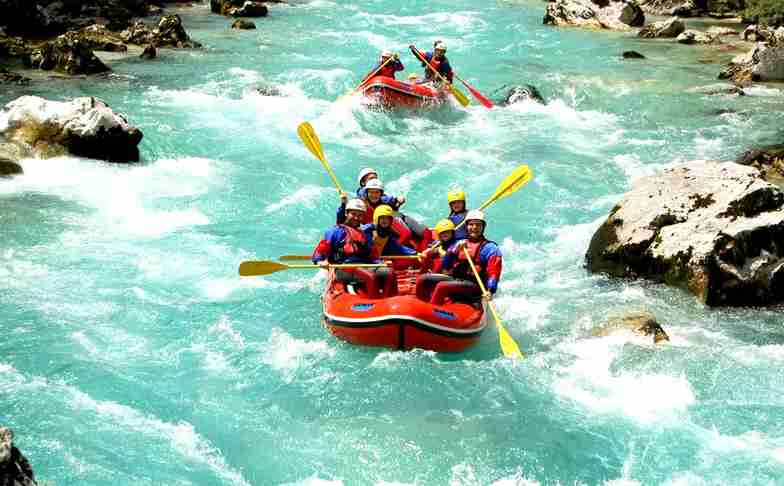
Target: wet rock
695,37
8,168
154,10
15,470
269,91
85,127
681,8
671,27
598,14
643,323
150,52
250,9
15,48
7,77
769,160
713,228
243,24
48,18
69,54
759,33
99,38
721,90
632,55
168,33
525,92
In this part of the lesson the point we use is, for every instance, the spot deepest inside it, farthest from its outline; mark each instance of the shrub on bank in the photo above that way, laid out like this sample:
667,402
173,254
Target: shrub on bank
767,12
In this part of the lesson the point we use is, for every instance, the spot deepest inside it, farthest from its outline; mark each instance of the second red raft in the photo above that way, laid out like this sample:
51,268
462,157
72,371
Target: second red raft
391,93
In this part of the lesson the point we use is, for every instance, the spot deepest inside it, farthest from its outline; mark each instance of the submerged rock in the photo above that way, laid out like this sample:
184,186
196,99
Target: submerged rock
8,77
150,52
598,14
643,323
525,92
15,470
632,55
85,127
243,24
715,229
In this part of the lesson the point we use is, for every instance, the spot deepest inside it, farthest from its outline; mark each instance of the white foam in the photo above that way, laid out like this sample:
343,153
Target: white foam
287,354
634,168
315,481
224,328
305,196
590,381
391,359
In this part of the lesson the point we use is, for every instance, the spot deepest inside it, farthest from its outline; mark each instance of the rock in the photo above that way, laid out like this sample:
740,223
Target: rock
769,160
518,94
712,228
643,323
8,168
47,18
84,127
763,62
599,14
718,31
68,54
243,24
150,52
269,91
695,37
721,90
681,8
15,48
215,6
168,33
99,38
154,10
671,27
15,470
250,9
757,33
632,55
8,77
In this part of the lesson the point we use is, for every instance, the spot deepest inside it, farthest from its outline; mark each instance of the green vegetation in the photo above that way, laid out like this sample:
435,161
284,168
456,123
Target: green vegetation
767,12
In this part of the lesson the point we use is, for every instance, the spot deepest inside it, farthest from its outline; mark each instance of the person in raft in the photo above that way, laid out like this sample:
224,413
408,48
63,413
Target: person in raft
485,254
457,211
367,174
432,257
390,66
373,197
381,237
437,59
346,243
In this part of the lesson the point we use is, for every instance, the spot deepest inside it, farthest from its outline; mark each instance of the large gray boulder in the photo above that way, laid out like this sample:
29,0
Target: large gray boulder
9,168
85,127
691,36
682,8
69,54
764,62
596,14
14,468
168,33
715,229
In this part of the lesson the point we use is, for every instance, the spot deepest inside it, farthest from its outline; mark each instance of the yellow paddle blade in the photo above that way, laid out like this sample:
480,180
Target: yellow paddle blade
508,345
286,258
514,181
459,96
308,136
258,268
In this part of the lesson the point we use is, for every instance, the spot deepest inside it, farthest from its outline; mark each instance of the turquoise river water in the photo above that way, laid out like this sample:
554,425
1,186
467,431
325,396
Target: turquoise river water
133,354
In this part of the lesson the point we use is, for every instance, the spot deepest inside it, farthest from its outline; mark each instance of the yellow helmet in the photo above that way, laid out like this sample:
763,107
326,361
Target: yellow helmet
382,210
444,225
455,195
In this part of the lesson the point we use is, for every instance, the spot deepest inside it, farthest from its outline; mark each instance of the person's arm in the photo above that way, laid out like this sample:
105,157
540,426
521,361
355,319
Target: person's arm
398,65
493,261
340,217
446,70
324,247
393,247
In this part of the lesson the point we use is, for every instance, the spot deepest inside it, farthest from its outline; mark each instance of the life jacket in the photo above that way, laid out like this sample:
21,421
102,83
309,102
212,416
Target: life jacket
388,70
436,65
379,242
463,269
354,245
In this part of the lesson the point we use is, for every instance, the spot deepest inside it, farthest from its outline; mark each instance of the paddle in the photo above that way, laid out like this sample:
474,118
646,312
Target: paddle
266,267
461,98
286,258
508,344
479,96
310,139
514,181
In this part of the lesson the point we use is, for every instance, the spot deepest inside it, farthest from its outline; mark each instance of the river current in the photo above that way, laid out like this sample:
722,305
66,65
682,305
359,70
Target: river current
133,354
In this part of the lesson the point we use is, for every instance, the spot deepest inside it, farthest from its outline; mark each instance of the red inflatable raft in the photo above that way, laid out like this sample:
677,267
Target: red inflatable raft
401,320
391,93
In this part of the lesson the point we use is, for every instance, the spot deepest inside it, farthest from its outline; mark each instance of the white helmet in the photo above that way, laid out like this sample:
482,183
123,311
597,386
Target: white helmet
356,205
475,215
375,184
386,53
364,172
441,46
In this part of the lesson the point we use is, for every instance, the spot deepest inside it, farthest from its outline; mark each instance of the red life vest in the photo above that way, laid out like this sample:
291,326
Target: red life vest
463,269
388,70
355,244
436,65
